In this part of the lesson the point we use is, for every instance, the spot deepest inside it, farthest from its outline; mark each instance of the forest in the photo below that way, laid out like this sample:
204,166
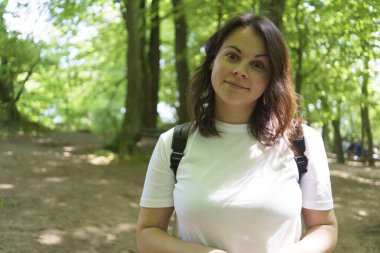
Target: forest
87,86
121,68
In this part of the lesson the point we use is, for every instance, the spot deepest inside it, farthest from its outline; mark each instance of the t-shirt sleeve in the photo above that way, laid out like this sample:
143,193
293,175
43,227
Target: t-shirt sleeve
159,180
315,183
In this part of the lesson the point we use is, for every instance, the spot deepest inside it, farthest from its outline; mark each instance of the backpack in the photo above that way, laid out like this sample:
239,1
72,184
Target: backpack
181,133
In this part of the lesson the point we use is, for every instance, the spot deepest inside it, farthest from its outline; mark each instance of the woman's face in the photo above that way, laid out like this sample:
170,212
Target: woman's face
240,71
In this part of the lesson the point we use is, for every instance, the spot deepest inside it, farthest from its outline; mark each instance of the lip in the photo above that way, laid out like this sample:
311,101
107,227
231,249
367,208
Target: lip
235,85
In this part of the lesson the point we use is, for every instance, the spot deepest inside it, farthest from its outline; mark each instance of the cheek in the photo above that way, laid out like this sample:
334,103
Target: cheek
214,74
213,79
262,81
264,87
218,71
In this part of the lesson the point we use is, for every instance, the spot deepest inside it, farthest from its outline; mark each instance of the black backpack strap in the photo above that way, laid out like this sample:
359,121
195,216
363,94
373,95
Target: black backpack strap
300,157
181,132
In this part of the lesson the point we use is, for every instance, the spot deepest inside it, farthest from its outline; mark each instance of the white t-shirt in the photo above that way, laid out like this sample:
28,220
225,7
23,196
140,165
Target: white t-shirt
235,194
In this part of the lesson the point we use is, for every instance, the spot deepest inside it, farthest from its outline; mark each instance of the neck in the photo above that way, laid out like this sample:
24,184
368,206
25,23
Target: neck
233,115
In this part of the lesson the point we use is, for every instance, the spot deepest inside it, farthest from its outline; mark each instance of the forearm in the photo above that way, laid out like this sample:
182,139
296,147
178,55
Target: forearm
318,239
155,240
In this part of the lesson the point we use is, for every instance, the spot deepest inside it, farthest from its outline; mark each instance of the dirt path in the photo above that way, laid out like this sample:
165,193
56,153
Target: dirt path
59,193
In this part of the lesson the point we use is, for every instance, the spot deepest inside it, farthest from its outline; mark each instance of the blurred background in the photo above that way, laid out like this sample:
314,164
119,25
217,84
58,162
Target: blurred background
115,72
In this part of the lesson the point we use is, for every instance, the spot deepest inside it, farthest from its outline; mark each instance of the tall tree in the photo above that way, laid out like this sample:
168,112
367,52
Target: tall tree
150,114
18,60
145,73
274,10
219,9
131,125
181,64
367,137
338,140
302,41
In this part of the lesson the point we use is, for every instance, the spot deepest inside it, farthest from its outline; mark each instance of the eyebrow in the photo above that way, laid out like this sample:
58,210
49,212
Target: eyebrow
239,50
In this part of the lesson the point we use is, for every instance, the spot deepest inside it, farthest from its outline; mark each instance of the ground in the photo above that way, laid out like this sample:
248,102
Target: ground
60,192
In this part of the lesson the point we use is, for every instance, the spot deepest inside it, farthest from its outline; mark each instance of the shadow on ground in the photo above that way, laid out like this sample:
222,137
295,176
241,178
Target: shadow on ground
60,192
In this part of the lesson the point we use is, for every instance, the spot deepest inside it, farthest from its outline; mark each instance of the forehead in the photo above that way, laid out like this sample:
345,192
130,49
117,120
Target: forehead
246,39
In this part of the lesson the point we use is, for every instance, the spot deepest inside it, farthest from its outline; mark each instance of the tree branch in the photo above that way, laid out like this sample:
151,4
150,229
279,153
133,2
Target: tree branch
30,72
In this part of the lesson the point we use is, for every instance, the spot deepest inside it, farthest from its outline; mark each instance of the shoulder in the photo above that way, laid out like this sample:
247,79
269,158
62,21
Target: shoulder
313,141
310,134
309,131
167,136
163,146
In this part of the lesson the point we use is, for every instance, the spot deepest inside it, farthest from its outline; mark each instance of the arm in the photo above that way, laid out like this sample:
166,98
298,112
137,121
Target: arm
152,234
321,233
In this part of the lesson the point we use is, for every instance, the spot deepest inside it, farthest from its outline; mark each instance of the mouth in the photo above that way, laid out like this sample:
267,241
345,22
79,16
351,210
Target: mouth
236,86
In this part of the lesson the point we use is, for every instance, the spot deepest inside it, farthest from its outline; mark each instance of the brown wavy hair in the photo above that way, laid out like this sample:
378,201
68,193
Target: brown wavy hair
276,111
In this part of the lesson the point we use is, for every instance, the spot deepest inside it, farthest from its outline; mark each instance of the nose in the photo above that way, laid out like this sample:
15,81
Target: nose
239,72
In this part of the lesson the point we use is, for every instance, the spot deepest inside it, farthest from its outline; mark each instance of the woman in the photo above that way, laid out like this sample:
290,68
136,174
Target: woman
236,189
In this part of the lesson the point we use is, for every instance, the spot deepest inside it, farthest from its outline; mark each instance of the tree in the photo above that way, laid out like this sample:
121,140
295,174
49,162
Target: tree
18,60
150,114
330,61
131,125
181,64
333,45
338,140
364,109
274,11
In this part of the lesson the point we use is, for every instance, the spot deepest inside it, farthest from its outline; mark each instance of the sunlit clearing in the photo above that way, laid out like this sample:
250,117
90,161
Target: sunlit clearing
8,153
133,204
100,160
68,149
87,232
51,237
363,213
102,181
107,234
44,140
40,170
124,227
29,20
358,179
55,179
110,237
166,112
6,186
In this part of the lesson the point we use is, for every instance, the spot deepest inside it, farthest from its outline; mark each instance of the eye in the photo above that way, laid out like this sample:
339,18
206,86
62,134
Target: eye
258,65
231,57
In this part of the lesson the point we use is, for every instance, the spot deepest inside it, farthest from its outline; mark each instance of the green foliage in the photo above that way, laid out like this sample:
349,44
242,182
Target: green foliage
337,38
80,83
19,57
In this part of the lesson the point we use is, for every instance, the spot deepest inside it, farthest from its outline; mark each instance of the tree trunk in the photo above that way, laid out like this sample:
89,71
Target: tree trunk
220,13
11,87
366,125
8,98
325,135
150,115
181,58
274,9
145,71
131,126
338,149
299,50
